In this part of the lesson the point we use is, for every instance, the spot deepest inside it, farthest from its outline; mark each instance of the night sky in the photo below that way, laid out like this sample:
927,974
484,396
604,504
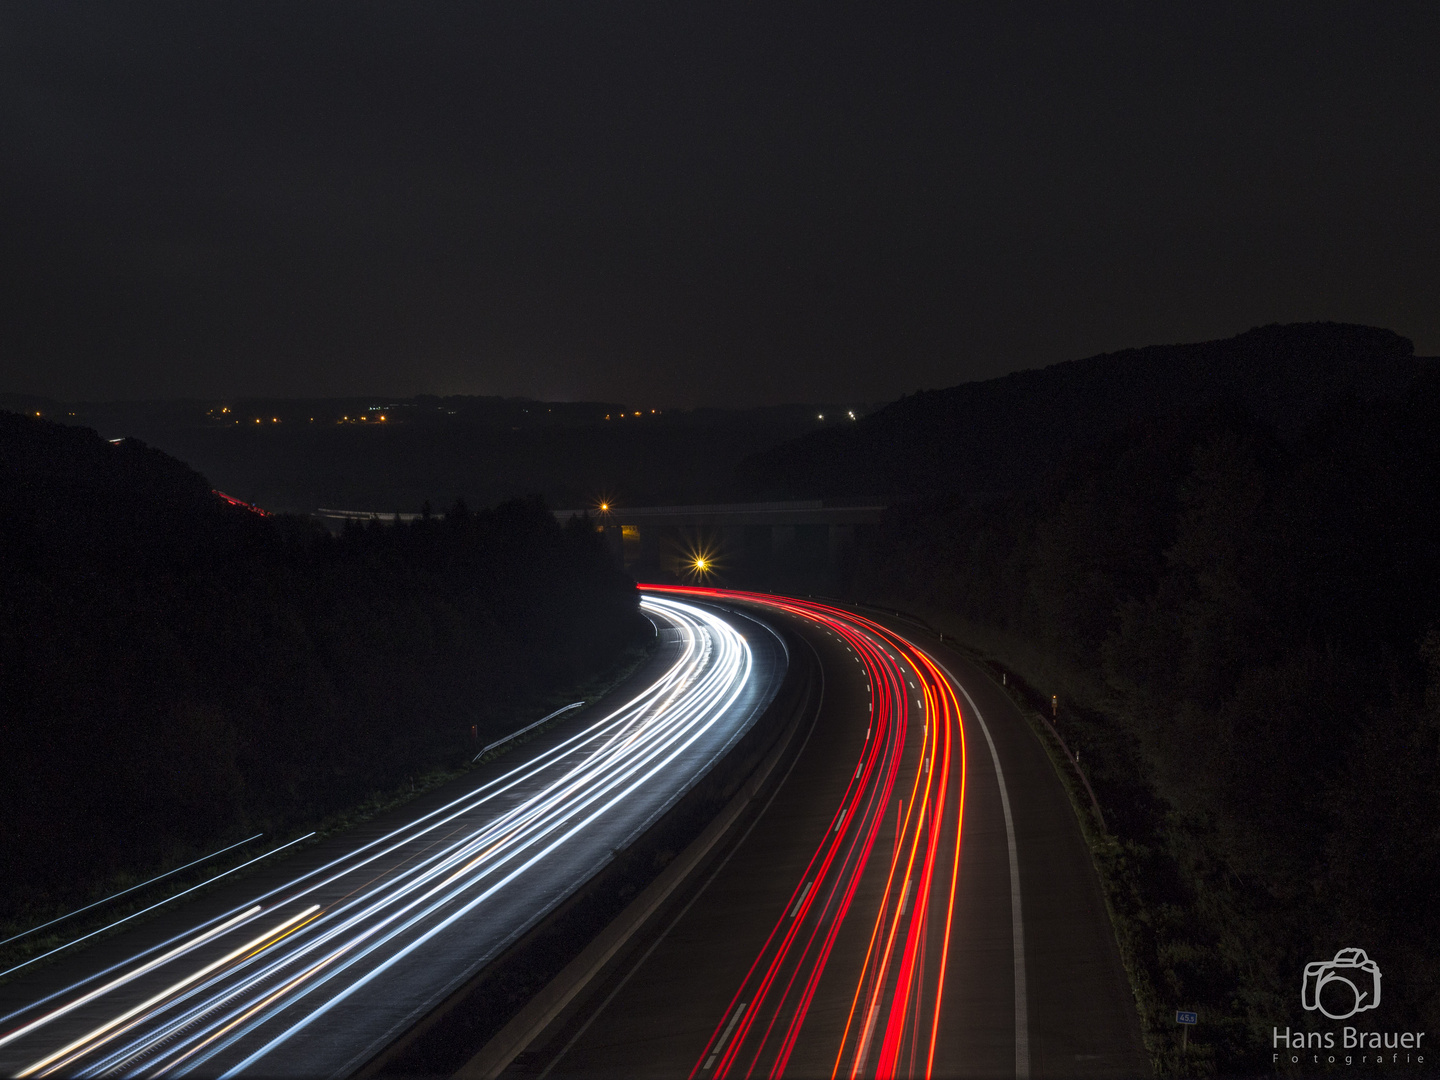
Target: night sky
677,204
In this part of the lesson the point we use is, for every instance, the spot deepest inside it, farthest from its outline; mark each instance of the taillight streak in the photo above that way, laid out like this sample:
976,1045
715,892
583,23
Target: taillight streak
896,1004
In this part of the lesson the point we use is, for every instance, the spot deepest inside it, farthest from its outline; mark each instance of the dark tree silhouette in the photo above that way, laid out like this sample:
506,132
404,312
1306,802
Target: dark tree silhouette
176,671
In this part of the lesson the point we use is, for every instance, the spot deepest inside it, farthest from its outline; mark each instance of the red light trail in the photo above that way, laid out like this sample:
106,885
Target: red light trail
240,502
910,777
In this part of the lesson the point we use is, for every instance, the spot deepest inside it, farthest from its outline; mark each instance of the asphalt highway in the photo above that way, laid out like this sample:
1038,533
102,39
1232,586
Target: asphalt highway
912,897
311,970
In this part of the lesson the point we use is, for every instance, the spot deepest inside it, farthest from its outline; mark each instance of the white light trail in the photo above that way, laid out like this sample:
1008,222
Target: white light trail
132,888
154,1000
354,918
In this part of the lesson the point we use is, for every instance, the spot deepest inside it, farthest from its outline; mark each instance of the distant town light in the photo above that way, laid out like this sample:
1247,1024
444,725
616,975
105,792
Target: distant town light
821,416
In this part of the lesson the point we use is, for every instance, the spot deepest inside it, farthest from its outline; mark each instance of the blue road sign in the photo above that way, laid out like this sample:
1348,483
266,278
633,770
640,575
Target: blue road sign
1187,1018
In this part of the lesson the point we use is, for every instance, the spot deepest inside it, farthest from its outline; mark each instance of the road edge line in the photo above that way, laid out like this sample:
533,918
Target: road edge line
1017,924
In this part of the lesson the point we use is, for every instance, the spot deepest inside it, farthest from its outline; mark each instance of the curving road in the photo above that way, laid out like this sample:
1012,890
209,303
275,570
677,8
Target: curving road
312,971
912,898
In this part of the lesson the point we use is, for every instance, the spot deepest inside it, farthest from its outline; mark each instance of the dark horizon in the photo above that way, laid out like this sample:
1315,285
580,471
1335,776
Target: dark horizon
702,206
22,400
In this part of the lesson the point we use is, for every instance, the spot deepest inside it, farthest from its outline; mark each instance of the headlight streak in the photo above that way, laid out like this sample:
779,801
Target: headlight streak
189,946
895,1011
399,908
398,838
567,814
53,1062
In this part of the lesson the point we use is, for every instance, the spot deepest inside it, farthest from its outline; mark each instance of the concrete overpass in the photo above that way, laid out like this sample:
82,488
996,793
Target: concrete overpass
745,543
793,546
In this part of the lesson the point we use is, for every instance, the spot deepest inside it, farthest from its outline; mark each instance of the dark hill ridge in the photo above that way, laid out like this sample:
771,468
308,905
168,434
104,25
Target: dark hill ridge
1002,433
1240,625
301,454
89,502
177,673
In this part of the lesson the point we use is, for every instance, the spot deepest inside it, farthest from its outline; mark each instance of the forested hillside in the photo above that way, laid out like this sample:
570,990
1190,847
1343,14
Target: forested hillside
1240,614
1005,434
177,672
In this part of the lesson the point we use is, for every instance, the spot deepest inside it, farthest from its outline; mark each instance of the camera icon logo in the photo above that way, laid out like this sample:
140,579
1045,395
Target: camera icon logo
1342,987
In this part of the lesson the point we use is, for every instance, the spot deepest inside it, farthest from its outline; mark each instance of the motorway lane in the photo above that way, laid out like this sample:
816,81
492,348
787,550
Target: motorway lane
804,957
313,973
1082,1019
869,920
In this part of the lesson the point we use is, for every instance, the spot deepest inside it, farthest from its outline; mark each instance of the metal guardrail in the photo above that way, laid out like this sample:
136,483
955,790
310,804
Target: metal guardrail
527,727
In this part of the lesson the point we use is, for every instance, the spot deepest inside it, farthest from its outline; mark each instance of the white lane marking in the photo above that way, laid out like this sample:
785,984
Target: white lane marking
1017,925
803,893
863,1050
729,1030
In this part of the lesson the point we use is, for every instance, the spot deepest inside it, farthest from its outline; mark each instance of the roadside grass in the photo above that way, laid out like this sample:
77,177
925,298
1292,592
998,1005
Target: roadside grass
215,872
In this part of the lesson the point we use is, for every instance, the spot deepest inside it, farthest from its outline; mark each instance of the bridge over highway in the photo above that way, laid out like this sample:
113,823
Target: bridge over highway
803,540
795,545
